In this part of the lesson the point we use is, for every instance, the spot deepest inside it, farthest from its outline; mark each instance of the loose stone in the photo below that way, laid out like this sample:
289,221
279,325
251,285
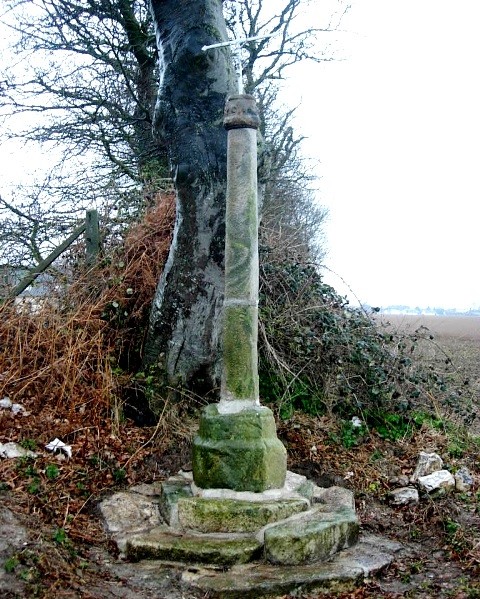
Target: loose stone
463,480
427,463
404,495
441,480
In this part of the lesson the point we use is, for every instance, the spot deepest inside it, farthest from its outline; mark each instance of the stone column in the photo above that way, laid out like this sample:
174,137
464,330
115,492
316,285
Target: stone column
240,308
237,446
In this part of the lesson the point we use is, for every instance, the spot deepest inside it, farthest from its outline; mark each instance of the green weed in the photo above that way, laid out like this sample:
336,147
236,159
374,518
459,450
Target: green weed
11,563
60,536
29,444
52,471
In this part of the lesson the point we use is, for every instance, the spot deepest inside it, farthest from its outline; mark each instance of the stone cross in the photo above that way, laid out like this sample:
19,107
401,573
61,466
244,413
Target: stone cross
237,446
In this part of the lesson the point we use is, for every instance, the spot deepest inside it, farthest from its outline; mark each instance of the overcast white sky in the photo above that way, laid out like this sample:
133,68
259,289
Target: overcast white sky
397,130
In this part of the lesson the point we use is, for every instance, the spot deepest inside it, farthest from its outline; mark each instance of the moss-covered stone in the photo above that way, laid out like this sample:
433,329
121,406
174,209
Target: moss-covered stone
240,352
172,490
234,515
238,451
306,489
252,581
222,550
313,536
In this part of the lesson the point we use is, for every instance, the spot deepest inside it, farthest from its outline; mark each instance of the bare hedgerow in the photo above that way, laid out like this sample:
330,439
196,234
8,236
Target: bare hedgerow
320,355
65,355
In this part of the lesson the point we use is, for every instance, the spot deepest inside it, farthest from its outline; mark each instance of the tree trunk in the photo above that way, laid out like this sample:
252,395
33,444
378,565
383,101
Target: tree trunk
184,332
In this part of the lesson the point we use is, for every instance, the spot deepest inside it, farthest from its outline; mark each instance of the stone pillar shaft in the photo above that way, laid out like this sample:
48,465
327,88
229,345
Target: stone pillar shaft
240,370
240,327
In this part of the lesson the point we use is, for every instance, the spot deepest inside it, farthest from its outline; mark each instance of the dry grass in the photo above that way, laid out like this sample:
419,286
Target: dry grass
60,355
60,362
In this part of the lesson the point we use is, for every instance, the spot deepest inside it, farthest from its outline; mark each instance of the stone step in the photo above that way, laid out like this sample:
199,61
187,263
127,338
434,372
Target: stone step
343,572
312,536
164,544
234,515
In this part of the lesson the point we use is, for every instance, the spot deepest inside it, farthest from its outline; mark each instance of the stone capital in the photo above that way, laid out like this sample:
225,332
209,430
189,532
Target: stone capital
241,111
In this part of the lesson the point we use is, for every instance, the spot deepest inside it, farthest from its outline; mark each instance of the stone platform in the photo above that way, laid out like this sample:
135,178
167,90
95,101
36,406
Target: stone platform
243,543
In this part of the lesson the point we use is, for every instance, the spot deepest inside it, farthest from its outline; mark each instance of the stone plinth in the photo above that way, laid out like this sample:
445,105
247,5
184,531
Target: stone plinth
238,451
234,515
297,539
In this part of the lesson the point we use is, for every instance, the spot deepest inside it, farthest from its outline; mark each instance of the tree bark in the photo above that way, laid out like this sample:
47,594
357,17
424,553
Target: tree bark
184,332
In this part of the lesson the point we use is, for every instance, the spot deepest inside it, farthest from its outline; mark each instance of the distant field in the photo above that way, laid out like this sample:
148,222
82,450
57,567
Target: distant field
460,327
454,355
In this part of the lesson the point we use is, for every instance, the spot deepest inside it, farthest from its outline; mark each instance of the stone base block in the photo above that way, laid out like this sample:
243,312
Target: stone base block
163,544
238,451
310,537
343,572
230,515
173,489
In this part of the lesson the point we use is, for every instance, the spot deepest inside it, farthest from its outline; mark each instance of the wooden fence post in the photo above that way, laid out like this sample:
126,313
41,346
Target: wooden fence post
44,264
92,237
92,250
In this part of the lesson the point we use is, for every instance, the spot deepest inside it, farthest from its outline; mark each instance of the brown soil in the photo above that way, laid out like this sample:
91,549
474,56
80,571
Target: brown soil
65,553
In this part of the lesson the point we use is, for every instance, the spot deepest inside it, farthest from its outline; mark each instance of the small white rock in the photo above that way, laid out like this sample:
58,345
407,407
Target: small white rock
427,463
6,403
13,450
404,495
441,479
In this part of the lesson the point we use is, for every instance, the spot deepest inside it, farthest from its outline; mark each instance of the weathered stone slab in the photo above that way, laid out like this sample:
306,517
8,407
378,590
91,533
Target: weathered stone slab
164,544
371,554
312,536
238,451
230,515
253,581
264,580
128,513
